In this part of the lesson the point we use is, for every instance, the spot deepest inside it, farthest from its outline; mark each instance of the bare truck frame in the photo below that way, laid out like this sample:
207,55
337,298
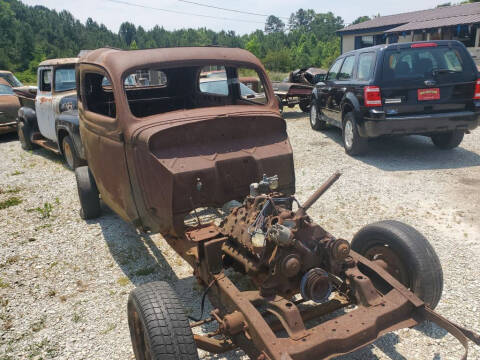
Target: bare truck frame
166,155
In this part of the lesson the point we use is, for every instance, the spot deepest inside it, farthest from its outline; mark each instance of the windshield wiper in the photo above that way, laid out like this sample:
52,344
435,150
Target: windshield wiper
444,71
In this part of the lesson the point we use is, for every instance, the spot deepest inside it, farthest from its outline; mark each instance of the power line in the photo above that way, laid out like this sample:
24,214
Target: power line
225,9
182,12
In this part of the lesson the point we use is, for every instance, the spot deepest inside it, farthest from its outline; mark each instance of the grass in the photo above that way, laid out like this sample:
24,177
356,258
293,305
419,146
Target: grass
3,285
123,281
17,172
11,201
76,318
14,190
277,76
45,211
110,327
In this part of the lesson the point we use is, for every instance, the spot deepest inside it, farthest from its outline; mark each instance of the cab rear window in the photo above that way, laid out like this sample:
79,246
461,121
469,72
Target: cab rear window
422,63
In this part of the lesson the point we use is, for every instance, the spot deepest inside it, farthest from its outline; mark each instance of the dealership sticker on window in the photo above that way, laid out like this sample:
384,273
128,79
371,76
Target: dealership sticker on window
429,94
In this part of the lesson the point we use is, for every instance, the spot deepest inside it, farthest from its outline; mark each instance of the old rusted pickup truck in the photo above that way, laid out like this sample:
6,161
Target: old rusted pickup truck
48,116
212,171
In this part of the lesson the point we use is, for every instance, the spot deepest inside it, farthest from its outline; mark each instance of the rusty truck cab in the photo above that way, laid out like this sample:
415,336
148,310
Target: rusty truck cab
161,140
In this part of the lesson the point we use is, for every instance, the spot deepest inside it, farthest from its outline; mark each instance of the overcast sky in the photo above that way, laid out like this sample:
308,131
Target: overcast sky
113,14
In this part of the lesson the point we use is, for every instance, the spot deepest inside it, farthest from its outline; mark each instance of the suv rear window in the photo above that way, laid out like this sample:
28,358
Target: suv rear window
421,63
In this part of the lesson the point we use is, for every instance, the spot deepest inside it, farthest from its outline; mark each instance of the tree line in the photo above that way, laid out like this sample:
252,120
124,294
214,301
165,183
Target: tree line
31,34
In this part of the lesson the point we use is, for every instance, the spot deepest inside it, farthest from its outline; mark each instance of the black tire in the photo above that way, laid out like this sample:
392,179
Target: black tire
315,122
305,106
280,104
353,143
159,328
87,193
448,140
70,154
423,271
24,135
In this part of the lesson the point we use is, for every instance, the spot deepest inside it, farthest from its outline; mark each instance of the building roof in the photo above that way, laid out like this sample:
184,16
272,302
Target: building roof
423,19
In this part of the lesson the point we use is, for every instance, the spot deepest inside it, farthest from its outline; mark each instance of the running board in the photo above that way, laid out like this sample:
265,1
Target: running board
47,144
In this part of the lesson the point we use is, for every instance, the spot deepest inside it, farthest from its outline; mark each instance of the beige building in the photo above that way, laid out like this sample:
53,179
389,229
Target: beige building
459,22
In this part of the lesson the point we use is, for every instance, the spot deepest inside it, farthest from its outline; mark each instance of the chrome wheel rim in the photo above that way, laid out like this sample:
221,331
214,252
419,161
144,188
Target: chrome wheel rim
313,115
348,134
67,151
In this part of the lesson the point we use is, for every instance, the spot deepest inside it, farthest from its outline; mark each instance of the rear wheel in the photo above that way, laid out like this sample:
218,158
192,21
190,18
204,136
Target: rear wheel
304,106
70,153
315,122
159,328
280,104
24,133
405,254
448,140
87,193
353,143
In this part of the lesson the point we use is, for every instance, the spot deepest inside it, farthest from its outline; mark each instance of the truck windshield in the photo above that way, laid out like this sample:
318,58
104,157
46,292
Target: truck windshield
6,90
65,79
156,91
12,80
421,63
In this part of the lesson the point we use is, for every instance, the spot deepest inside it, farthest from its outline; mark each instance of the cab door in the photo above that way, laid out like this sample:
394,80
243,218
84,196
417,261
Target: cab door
328,94
341,86
44,104
103,140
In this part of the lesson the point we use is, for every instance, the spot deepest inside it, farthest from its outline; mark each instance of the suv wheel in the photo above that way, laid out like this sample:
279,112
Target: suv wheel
449,140
87,193
353,143
159,328
315,121
405,254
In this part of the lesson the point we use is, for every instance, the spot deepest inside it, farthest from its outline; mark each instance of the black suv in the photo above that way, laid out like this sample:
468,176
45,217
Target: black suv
429,88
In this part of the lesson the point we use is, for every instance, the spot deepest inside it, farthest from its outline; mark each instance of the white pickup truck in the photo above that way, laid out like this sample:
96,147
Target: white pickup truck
49,116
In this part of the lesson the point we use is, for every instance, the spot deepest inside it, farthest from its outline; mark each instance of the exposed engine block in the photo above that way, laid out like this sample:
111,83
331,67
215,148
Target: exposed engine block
283,251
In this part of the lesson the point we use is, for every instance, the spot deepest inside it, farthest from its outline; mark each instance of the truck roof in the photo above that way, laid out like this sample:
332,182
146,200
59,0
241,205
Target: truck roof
118,61
61,61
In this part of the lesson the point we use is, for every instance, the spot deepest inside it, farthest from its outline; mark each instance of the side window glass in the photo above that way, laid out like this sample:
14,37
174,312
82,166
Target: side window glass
251,86
97,97
333,72
213,80
46,80
347,69
64,79
366,63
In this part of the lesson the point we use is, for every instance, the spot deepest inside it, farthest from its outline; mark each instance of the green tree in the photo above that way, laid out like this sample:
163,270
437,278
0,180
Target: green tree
361,19
274,25
127,32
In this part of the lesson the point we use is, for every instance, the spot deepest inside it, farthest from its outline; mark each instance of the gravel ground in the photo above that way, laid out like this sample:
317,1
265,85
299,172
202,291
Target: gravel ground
64,282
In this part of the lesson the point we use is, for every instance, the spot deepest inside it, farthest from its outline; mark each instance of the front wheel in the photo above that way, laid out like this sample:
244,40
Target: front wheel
315,122
70,154
405,254
87,193
353,143
448,140
159,328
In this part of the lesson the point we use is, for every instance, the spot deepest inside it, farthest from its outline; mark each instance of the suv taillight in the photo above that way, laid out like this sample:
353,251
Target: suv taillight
476,95
372,96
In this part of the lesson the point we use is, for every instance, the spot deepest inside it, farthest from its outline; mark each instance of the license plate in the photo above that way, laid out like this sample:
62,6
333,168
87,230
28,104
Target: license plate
428,94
